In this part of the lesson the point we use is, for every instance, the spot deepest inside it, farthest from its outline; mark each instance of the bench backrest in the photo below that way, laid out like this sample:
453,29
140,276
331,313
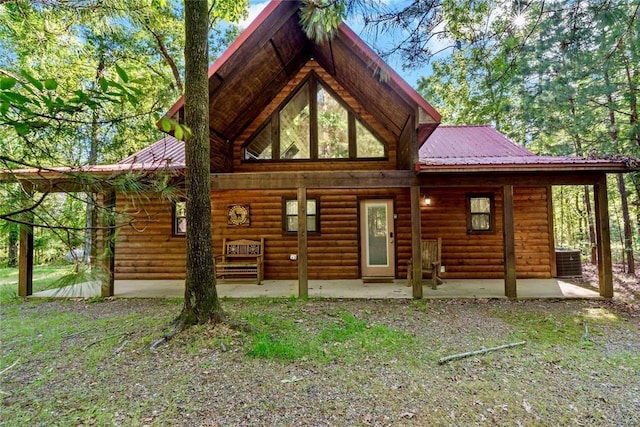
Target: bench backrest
431,252
243,248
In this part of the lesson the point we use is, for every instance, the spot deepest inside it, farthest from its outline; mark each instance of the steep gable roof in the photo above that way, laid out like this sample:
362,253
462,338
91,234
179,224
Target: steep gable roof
274,47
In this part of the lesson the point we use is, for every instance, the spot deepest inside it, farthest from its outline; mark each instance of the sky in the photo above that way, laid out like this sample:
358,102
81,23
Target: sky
411,76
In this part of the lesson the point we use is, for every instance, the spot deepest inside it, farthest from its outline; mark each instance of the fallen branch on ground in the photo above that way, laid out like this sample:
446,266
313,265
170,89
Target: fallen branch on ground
446,359
104,339
10,366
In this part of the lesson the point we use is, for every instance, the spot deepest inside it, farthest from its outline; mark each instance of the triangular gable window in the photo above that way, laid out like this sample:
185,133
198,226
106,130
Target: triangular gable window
314,124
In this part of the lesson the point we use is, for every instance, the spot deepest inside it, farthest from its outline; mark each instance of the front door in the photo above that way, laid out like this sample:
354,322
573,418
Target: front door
377,238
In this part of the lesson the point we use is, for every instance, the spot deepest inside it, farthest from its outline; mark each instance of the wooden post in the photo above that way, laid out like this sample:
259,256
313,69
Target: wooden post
552,235
108,245
303,281
508,233
416,237
25,258
605,269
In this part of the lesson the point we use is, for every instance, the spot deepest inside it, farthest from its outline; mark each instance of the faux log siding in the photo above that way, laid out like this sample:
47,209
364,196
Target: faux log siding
148,251
481,255
332,254
385,134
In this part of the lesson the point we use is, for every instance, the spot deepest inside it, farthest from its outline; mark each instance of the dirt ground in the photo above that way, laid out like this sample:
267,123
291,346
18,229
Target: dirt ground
88,363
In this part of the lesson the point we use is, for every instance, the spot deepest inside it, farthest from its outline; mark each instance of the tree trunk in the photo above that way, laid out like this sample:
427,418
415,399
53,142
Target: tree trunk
13,246
626,218
201,302
587,200
91,218
628,237
592,227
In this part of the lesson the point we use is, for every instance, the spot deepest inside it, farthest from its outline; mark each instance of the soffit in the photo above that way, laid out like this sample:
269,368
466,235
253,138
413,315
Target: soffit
258,65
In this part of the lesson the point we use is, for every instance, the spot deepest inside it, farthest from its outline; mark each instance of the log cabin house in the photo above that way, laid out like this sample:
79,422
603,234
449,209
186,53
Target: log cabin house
329,133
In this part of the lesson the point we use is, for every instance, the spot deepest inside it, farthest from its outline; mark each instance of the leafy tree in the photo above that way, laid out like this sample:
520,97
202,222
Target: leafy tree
91,62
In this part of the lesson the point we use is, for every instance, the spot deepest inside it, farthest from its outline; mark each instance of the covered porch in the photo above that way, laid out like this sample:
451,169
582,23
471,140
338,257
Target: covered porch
351,289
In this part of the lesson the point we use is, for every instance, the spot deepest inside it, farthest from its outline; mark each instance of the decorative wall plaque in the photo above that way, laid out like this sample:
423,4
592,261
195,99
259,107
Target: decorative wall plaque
238,215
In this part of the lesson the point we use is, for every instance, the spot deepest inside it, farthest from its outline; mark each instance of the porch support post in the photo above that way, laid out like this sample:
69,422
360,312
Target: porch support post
25,259
551,228
108,245
508,233
603,239
416,236
303,281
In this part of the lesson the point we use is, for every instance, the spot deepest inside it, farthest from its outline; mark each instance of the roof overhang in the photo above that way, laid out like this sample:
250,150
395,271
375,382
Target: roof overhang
562,165
86,178
273,48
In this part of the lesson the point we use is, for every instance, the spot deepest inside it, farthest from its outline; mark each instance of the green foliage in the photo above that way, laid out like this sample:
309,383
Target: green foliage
346,338
320,18
84,85
44,277
564,83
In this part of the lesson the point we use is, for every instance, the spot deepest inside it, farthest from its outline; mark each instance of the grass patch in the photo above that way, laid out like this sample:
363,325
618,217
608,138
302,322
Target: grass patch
44,277
545,329
346,338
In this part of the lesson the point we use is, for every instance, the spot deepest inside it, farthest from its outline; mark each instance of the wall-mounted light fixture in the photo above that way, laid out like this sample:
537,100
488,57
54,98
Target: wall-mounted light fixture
427,199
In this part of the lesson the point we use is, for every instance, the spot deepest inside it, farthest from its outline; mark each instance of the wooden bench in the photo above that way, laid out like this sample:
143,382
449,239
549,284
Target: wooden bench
241,259
431,250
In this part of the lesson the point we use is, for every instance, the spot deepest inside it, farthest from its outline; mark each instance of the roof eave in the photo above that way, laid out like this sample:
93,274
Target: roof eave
422,168
219,62
66,173
394,77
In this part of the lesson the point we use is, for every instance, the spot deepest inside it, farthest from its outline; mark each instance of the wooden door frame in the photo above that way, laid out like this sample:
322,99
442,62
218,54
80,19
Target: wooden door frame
359,200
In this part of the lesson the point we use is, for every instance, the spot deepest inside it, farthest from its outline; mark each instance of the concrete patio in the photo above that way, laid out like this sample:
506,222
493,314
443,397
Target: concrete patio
468,288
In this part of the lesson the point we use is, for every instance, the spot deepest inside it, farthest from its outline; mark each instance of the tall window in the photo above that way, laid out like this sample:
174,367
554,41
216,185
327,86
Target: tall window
333,127
295,138
314,125
179,215
480,213
290,220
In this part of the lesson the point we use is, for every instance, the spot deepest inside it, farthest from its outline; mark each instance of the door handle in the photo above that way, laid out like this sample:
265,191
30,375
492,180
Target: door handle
391,237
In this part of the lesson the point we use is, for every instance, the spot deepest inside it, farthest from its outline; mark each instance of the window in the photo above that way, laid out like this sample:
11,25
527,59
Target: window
290,220
333,127
480,213
179,215
295,138
314,124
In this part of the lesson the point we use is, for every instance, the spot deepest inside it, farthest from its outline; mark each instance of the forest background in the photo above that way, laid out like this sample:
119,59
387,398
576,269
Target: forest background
84,82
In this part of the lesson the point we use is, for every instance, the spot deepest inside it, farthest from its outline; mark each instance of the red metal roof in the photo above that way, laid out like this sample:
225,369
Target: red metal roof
470,141
166,151
167,154
481,147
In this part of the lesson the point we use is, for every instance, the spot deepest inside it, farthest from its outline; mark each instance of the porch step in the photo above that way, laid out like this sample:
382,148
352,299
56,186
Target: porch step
378,279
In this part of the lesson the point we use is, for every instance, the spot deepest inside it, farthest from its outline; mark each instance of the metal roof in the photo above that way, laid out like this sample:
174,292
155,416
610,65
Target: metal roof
166,151
470,141
482,148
